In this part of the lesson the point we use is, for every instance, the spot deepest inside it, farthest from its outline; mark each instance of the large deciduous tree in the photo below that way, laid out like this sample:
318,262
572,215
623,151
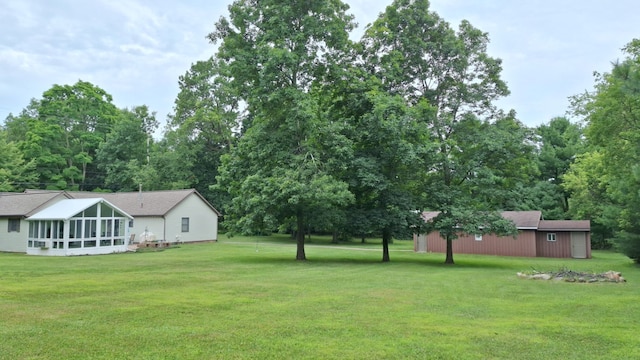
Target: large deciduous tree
125,153
278,56
451,81
612,112
559,142
61,133
384,170
201,130
16,174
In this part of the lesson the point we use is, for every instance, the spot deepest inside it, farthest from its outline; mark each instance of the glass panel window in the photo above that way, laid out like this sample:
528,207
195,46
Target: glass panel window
551,237
42,229
72,229
32,229
90,243
75,244
185,224
14,225
478,237
105,210
105,242
90,228
117,231
118,241
92,211
103,228
48,229
79,228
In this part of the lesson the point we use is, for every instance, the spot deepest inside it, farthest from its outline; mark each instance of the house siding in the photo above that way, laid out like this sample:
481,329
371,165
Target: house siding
15,241
561,248
523,245
153,224
203,221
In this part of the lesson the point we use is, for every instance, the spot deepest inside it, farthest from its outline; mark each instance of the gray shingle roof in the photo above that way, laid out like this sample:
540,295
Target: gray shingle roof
522,219
147,203
564,225
26,204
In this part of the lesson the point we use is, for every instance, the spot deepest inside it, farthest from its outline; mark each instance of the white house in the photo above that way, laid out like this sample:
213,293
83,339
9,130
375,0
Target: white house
172,216
15,208
78,227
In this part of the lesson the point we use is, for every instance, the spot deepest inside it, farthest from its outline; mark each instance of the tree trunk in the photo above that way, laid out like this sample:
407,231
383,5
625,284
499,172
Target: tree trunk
334,239
449,259
386,236
300,255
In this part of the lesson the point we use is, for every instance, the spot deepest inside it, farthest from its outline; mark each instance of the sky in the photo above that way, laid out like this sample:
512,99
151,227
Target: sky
135,50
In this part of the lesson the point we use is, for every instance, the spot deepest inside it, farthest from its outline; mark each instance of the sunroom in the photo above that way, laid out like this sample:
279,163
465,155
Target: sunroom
78,227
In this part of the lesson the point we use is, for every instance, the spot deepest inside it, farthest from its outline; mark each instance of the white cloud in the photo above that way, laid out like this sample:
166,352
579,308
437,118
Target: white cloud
135,50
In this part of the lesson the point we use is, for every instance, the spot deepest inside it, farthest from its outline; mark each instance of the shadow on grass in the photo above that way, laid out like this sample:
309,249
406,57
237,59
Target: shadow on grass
358,257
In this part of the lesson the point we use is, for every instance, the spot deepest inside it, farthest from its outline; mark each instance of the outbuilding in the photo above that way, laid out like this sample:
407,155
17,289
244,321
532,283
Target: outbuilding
536,238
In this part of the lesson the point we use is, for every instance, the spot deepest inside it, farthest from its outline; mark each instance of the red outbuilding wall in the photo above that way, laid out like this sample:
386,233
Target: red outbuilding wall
523,245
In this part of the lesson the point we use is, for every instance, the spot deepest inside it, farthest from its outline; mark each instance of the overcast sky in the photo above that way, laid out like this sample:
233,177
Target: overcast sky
136,49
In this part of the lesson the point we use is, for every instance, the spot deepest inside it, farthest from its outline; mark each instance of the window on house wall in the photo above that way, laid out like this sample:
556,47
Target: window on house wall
105,242
551,237
478,237
185,224
92,211
33,229
90,228
106,227
75,244
14,225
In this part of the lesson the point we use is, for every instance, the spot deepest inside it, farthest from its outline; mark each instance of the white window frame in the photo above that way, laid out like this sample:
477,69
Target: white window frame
551,237
478,237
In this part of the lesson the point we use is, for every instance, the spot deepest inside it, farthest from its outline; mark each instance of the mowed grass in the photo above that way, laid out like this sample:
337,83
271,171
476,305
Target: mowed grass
247,298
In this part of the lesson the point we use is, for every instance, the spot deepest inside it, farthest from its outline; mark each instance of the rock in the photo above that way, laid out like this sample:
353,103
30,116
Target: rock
542,276
573,276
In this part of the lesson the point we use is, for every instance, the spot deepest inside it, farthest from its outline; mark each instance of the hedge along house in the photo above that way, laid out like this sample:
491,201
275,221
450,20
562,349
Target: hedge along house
536,238
78,227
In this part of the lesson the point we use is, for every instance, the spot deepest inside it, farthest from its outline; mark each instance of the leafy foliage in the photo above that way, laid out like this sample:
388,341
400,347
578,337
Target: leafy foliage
451,82
612,112
278,56
15,173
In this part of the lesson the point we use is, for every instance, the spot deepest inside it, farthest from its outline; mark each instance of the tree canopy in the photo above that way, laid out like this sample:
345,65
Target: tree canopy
292,126
609,171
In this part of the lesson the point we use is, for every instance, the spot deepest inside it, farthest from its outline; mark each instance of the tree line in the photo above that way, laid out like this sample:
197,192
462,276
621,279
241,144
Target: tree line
292,126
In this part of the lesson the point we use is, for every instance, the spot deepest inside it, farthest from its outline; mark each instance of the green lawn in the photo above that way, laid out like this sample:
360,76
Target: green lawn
247,299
